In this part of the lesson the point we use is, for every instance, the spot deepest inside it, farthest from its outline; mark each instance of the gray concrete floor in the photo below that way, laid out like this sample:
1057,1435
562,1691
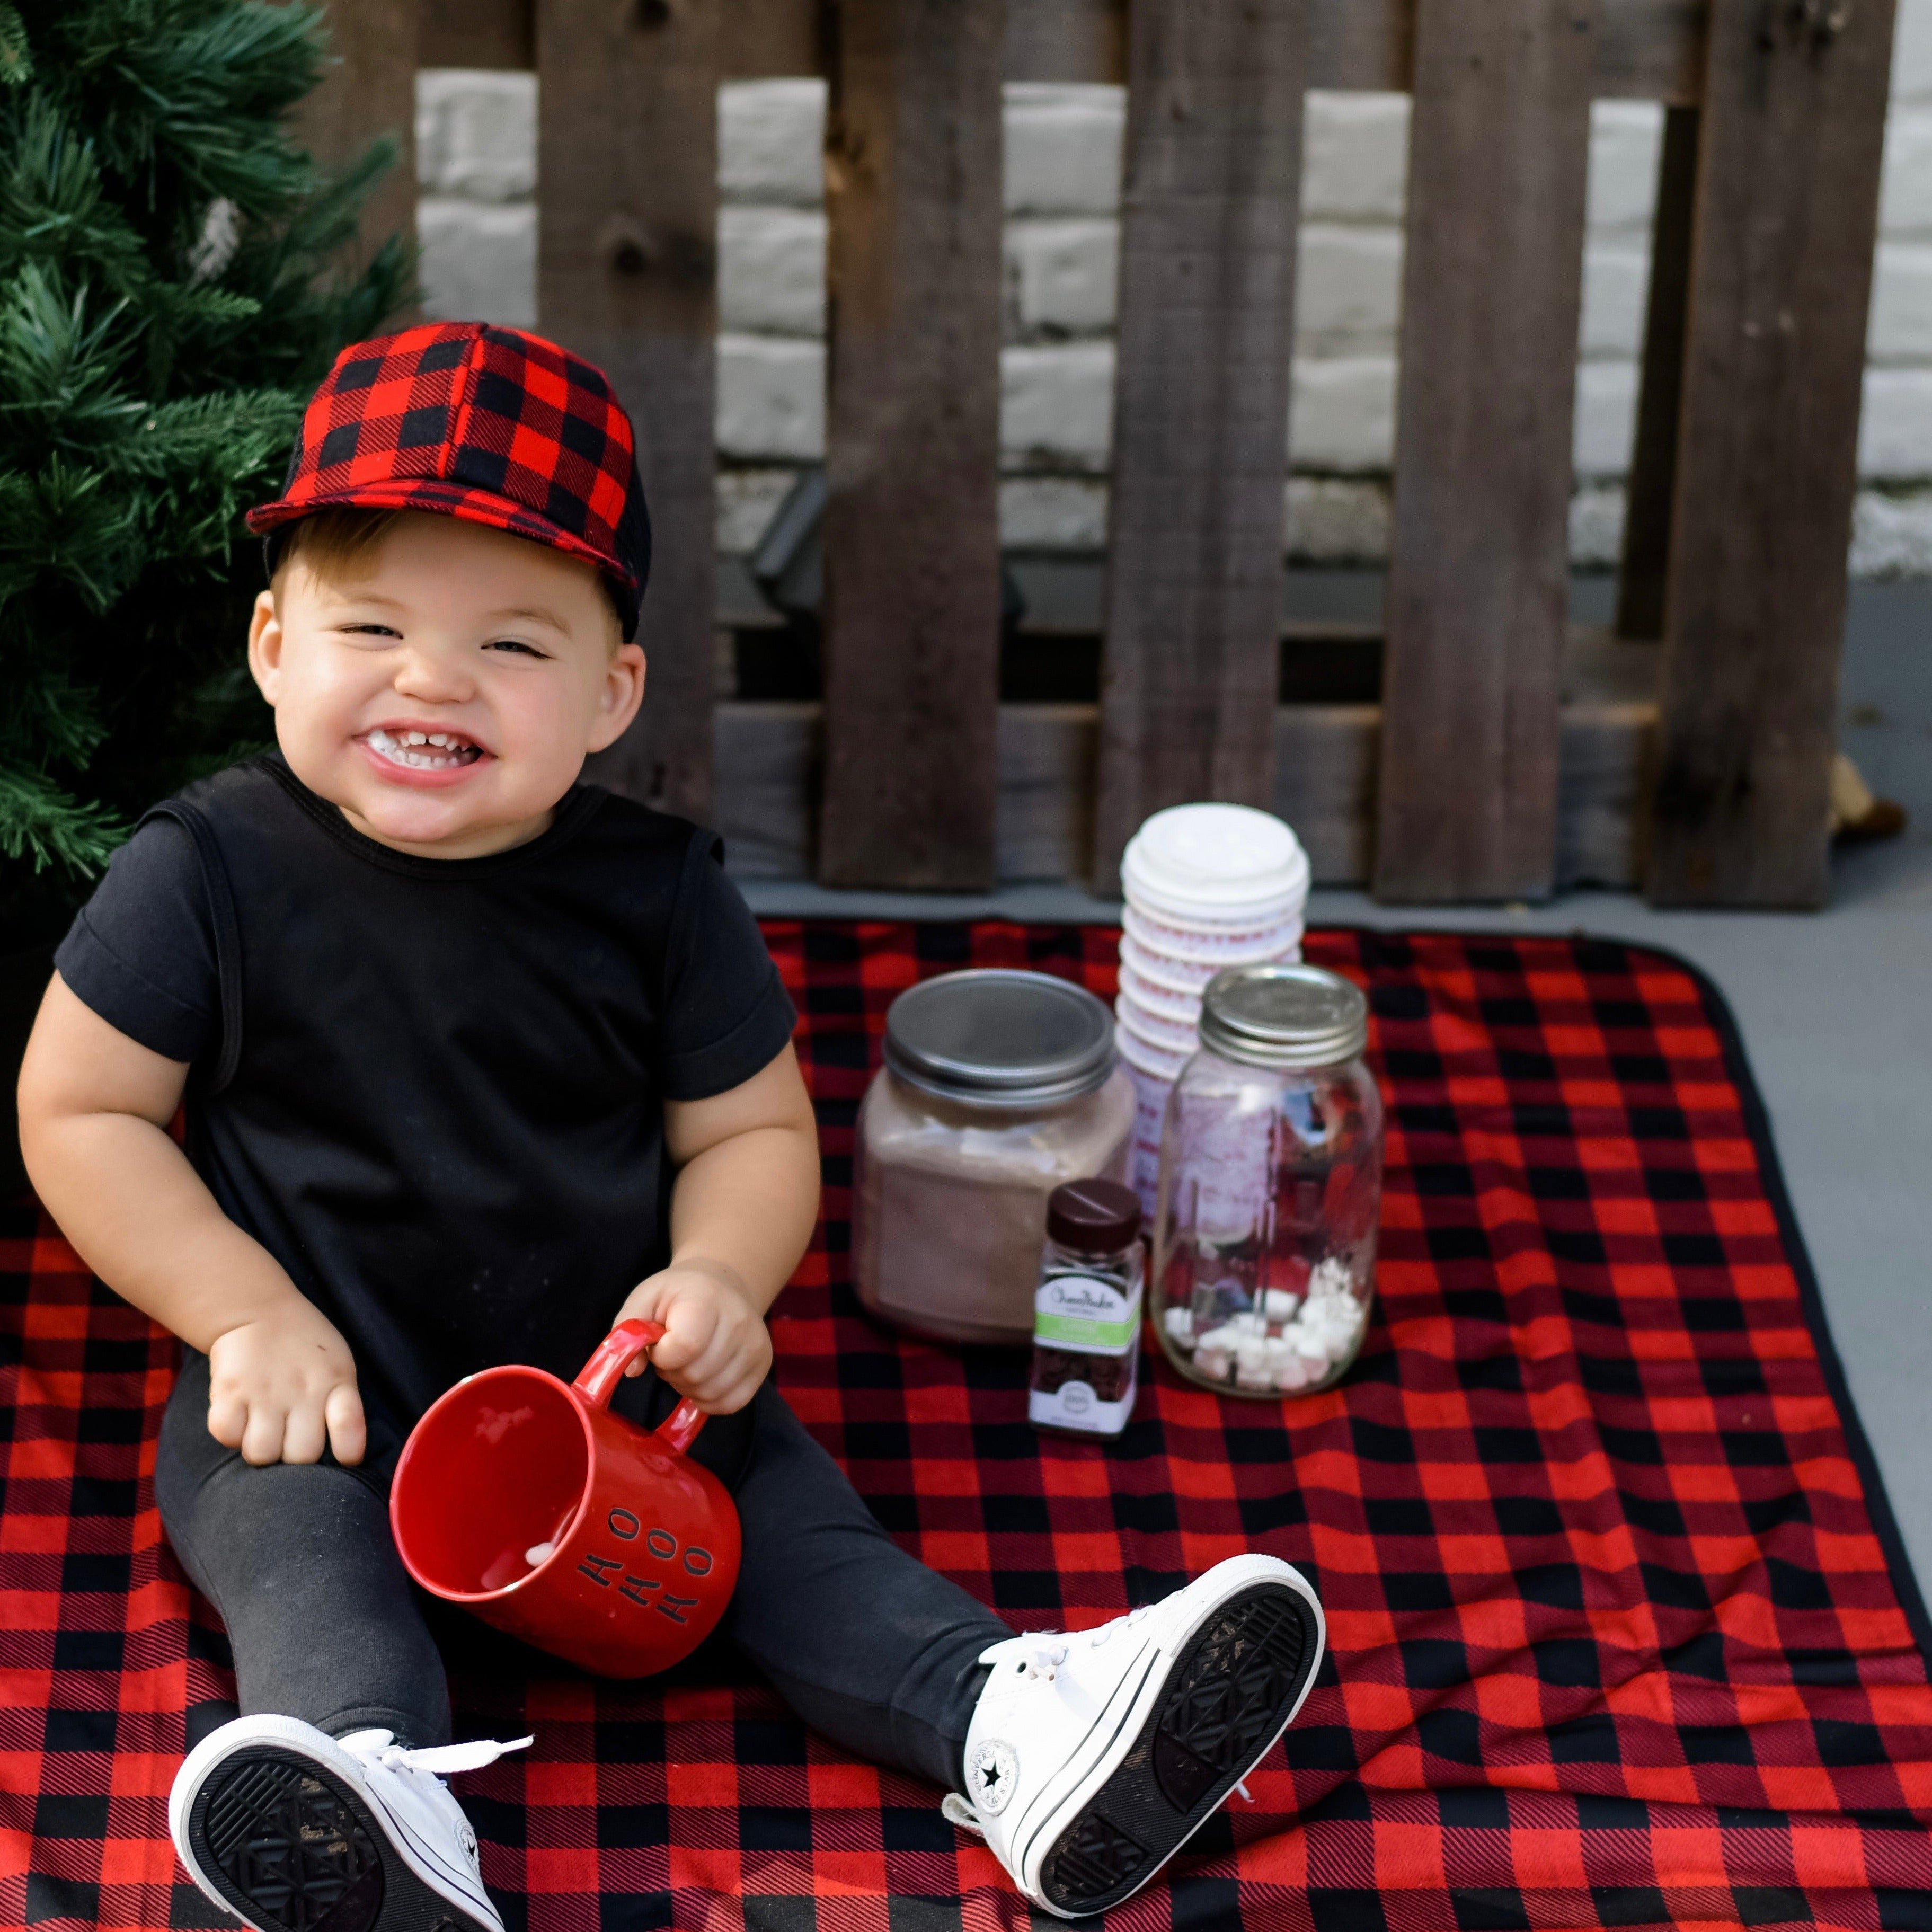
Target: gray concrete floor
1836,1011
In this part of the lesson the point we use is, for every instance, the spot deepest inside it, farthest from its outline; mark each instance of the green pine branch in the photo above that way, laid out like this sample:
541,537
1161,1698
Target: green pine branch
16,59
46,826
171,285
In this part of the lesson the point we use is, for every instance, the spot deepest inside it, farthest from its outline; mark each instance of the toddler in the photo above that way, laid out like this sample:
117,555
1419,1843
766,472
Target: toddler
479,1060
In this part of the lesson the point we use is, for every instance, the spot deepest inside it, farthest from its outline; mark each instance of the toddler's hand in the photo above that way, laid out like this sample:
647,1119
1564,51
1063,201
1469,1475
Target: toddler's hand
280,1385
716,1348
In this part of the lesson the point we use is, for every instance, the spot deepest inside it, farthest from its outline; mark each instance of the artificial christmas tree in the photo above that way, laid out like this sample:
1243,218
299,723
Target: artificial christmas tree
167,302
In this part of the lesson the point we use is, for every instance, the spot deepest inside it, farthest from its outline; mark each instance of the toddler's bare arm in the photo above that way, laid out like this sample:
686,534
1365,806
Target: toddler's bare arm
741,1213
95,1109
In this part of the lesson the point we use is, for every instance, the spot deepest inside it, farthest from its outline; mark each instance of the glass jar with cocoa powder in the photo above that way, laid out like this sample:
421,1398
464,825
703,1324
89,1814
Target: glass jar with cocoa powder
998,1086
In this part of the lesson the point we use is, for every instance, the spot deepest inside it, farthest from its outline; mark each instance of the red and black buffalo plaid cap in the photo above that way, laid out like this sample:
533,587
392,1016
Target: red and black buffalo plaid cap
494,425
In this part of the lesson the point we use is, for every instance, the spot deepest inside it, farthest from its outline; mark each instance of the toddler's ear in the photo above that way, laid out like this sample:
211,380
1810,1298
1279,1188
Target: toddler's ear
617,702
264,646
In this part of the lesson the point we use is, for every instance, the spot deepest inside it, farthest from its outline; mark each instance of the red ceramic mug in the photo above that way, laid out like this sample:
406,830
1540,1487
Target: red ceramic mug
525,1500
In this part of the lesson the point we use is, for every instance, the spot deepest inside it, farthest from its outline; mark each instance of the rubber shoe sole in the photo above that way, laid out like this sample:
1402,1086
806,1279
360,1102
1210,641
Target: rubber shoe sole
1228,1696
292,1848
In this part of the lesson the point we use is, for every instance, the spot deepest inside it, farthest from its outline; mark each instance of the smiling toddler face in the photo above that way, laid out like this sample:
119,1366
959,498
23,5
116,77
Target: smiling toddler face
443,684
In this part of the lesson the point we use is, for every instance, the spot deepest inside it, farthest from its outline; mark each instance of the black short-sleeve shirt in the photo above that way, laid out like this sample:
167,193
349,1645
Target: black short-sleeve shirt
446,1120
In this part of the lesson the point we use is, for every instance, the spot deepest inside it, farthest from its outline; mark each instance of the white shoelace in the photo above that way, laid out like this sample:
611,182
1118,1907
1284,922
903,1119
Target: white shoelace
1052,1648
443,1760
955,1810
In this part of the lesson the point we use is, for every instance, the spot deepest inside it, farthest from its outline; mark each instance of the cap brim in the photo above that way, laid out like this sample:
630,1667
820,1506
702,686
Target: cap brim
467,505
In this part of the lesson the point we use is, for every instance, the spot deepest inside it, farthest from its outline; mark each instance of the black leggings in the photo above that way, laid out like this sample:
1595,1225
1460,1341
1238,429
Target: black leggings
864,1641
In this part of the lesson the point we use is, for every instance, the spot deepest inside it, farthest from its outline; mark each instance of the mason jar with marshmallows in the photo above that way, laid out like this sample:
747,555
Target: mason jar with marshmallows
1270,1191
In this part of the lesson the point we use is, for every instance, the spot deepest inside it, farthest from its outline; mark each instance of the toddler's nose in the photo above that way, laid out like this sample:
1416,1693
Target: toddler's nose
433,678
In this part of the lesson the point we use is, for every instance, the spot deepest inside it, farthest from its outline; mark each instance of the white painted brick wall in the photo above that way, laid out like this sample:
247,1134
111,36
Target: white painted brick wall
1053,512
1355,157
1605,418
1063,149
771,397
1342,413
1061,275
770,137
476,140
1616,285
1347,290
1905,199
1912,52
1057,406
479,258
1624,138
771,270
1597,525
476,133
476,160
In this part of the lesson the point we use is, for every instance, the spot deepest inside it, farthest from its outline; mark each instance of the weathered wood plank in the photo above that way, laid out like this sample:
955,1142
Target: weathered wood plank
1361,45
1478,575
1651,49
1793,121
912,542
1648,50
627,143
1609,739
769,39
1653,471
368,92
769,761
1045,815
480,33
1066,39
1601,823
768,757
1324,785
1210,202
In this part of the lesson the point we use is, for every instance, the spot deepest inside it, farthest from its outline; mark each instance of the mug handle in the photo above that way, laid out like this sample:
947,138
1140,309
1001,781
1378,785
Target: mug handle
599,1382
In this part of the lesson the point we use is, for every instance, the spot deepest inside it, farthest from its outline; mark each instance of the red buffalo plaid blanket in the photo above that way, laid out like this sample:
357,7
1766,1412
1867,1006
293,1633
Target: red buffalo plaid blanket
1621,1632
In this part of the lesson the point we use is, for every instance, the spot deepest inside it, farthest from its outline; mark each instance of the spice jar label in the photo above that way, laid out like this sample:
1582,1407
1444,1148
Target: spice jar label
1087,1353
1083,1311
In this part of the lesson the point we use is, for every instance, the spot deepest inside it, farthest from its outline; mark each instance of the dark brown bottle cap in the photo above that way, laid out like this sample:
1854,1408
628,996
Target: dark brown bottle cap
1093,1217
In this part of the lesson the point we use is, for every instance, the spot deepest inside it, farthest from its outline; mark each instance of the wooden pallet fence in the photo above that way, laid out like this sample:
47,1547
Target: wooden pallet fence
627,274
1209,206
1790,135
1645,49
1479,572
1510,757
911,617
770,756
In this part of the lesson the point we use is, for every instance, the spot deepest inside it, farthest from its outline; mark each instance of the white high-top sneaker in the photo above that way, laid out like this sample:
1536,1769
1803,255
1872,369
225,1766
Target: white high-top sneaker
290,1830
1094,1756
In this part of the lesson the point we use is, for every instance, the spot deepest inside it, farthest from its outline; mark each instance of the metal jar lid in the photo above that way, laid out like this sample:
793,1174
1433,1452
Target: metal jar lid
991,1038
1284,1016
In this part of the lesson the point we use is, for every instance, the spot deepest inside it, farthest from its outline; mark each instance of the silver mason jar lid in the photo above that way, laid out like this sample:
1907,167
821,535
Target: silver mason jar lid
1284,1016
993,1038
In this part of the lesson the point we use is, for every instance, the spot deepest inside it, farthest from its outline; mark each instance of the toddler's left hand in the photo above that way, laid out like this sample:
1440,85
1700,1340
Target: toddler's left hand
716,1348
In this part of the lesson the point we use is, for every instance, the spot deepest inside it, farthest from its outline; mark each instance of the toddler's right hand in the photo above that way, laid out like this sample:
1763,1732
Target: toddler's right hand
281,1385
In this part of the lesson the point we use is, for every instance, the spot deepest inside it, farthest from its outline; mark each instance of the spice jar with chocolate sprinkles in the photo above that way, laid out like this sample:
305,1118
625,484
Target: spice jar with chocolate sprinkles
1086,1312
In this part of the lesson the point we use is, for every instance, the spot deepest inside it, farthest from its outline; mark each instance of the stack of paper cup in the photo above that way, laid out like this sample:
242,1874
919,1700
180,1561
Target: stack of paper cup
1207,886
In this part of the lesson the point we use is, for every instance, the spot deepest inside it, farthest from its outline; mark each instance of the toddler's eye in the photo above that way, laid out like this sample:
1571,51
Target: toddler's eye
370,631
514,644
